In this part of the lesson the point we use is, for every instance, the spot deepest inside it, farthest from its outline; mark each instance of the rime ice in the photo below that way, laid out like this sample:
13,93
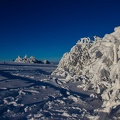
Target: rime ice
98,61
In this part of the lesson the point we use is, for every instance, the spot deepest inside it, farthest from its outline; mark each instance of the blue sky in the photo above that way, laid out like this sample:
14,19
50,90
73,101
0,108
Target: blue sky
47,29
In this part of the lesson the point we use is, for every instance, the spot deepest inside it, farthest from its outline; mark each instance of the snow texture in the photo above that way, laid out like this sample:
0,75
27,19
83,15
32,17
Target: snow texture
97,63
29,92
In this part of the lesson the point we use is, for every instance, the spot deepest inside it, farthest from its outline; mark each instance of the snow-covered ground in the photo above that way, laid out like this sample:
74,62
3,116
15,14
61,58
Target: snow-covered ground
29,92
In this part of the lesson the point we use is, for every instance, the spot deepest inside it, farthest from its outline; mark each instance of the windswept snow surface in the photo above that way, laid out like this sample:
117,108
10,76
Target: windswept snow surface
29,92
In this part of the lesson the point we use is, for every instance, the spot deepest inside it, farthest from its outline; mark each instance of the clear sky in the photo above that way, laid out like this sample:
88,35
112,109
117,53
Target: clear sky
48,28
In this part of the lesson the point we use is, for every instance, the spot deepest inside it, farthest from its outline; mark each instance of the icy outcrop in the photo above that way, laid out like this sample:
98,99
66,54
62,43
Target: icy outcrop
32,59
98,62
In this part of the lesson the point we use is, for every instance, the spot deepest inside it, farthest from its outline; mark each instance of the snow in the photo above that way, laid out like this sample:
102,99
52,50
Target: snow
39,97
85,85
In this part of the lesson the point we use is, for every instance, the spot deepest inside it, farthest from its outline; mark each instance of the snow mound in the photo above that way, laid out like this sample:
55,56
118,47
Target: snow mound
98,61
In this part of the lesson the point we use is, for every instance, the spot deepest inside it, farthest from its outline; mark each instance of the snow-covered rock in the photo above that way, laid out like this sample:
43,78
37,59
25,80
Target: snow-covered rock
98,61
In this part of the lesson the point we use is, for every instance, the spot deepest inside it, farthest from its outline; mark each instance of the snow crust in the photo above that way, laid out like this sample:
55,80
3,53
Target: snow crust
97,62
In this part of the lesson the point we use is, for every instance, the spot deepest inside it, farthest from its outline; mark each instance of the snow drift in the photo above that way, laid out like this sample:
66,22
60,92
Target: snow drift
98,62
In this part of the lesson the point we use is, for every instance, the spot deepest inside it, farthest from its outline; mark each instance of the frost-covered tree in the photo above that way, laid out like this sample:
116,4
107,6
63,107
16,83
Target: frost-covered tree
19,59
73,63
99,62
32,59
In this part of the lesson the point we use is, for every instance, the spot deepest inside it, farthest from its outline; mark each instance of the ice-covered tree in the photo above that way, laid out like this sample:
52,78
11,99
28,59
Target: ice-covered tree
99,62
